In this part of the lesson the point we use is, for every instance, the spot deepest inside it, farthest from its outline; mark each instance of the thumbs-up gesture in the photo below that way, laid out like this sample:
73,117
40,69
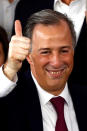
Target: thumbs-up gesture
18,51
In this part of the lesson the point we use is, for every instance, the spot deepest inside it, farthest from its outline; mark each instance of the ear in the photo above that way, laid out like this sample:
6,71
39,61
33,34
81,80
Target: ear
29,59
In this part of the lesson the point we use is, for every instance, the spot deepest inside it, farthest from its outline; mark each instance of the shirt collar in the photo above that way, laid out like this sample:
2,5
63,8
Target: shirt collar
45,96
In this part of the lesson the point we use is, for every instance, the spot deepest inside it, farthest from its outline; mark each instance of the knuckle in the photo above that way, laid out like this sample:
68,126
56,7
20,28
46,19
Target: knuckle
13,37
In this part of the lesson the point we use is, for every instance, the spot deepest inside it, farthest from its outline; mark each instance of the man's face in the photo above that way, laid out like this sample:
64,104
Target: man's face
2,56
51,59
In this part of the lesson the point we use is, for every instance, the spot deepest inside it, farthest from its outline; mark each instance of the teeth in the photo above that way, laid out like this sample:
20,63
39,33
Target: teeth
55,72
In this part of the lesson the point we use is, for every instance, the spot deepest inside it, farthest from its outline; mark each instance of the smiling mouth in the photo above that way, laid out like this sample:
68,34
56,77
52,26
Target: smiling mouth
56,74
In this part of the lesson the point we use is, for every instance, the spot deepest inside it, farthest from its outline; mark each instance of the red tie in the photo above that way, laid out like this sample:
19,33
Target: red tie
58,104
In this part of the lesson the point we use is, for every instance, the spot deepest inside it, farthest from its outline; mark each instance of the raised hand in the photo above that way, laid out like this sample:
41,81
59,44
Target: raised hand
18,51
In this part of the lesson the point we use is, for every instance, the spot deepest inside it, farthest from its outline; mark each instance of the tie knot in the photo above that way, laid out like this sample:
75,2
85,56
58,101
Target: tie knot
58,103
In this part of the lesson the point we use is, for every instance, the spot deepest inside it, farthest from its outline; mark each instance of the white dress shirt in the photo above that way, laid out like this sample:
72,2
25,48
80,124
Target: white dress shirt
6,86
75,11
48,112
7,12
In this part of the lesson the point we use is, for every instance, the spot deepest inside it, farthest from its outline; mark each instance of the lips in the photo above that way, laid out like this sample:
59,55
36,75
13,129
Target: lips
56,74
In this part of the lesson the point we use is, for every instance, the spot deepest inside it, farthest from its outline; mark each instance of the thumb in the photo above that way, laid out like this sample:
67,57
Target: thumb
18,28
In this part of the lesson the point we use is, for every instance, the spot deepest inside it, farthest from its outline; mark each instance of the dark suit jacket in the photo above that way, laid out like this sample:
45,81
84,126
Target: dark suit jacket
21,111
27,7
79,73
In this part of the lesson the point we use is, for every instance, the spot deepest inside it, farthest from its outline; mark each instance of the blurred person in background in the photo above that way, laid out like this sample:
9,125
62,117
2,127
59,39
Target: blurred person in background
3,46
7,13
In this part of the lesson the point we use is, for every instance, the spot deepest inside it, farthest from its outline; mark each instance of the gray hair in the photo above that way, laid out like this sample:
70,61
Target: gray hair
48,17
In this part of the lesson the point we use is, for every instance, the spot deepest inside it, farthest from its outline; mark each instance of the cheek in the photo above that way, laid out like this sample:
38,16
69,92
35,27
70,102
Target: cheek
70,64
38,66
69,58
41,61
69,61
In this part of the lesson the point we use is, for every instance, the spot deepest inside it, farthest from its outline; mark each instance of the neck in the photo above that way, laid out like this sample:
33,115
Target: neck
67,1
10,1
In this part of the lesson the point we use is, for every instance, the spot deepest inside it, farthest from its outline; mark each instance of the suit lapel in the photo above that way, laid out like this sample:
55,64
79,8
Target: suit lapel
33,107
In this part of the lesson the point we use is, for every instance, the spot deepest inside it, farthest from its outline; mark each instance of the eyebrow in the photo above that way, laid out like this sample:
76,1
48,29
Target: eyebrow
66,47
43,49
59,47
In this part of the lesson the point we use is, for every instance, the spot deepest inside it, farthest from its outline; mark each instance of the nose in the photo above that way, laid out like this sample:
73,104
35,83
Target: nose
55,60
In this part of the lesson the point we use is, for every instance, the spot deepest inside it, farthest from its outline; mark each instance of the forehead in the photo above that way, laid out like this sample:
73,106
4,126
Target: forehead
52,33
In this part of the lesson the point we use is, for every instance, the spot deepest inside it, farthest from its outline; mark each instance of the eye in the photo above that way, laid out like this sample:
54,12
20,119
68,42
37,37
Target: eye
65,51
45,52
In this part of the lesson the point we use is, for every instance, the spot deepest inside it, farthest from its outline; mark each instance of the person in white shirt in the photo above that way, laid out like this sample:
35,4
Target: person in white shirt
75,10
51,61
7,13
